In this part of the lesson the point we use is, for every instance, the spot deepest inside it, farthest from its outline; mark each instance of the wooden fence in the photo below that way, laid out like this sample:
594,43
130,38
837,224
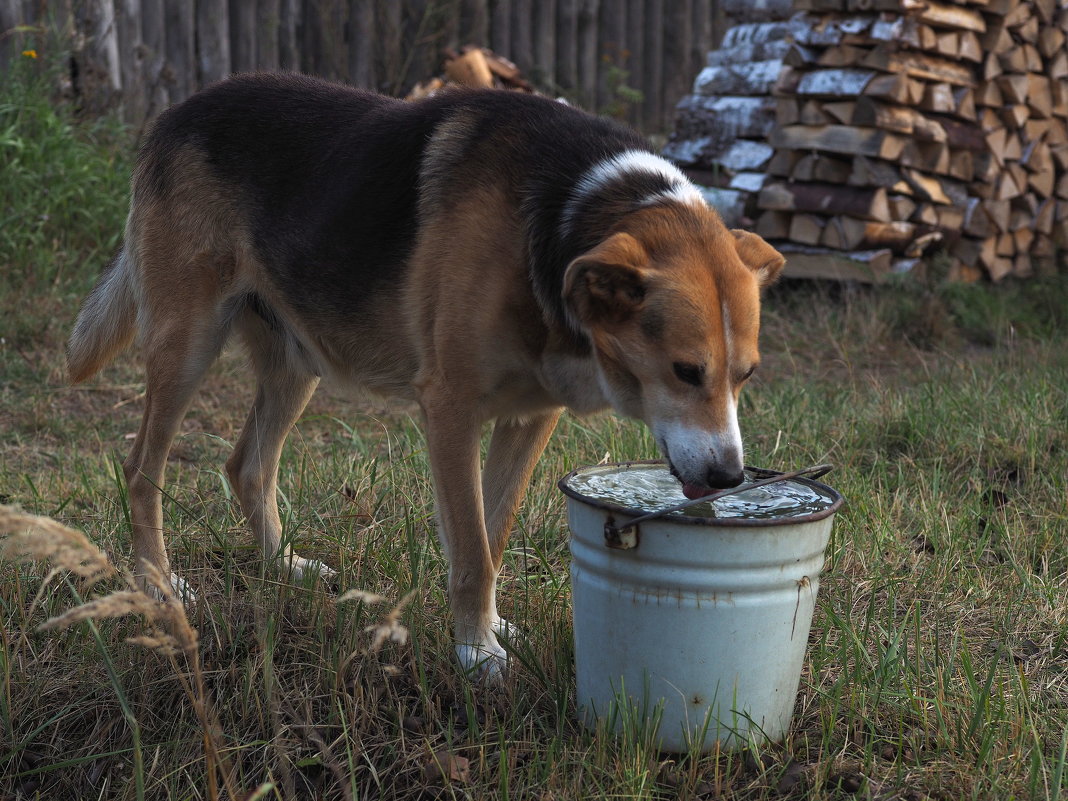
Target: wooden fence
146,54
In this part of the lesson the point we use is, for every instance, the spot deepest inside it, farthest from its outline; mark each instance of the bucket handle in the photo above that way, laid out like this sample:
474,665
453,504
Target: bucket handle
624,535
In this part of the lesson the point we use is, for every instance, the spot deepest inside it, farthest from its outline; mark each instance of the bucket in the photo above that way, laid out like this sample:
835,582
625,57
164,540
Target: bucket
693,625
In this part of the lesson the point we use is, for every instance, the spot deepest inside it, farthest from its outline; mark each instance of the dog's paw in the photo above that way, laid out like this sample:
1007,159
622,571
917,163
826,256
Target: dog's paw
508,631
181,588
484,662
298,569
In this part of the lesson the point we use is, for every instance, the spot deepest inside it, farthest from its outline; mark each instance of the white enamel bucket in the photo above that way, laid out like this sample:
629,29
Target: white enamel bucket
694,625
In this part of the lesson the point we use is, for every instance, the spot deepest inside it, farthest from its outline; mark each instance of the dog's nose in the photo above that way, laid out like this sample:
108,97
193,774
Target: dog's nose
718,478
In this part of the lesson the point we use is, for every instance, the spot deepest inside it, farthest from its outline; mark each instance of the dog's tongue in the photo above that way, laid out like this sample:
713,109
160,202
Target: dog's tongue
693,492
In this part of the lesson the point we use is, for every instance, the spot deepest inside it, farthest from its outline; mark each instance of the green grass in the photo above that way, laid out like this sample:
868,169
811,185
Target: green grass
938,662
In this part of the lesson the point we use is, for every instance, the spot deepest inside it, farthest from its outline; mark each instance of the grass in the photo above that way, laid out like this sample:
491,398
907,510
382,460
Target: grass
938,663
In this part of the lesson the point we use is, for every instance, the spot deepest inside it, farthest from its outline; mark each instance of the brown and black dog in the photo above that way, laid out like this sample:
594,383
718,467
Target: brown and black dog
490,255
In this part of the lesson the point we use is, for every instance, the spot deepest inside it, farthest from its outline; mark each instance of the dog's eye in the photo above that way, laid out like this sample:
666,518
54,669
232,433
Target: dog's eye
693,374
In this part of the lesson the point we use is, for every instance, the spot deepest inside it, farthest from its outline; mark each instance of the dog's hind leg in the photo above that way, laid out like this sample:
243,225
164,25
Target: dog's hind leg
285,386
513,452
179,347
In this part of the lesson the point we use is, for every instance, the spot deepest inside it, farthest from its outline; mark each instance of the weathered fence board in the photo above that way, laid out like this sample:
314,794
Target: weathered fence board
149,53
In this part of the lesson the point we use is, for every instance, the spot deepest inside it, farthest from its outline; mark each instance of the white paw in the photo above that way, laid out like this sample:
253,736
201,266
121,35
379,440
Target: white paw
485,662
179,586
298,568
502,628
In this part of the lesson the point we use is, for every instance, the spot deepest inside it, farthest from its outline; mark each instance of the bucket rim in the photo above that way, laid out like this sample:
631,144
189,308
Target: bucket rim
693,520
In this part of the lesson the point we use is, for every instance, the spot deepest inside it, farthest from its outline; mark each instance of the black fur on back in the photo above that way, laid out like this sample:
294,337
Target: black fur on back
331,176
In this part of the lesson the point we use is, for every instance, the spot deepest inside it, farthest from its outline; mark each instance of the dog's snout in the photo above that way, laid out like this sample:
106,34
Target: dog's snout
719,478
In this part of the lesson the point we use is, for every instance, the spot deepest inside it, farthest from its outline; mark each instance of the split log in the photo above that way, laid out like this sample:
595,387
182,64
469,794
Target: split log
944,15
849,233
946,44
800,56
926,187
876,172
747,181
756,78
806,228
970,48
925,213
821,168
905,30
950,218
1036,157
867,203
928,156
842,56
872,266
998,212
746,33
1051,40
989,94
1013,87
1005,245
725,119
901,119
1015,117
919,65
1039,95
1042,182
812,114
787,111
962,165
976,221
1044,217
816,30
745,154
835,83
784,162
750,52
469,69
841,111
899,88
962,135
901,207
840,139
938,97
773,224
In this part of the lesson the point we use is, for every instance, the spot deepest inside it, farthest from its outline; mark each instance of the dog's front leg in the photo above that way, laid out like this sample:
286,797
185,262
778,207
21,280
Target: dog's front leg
513,452
452,434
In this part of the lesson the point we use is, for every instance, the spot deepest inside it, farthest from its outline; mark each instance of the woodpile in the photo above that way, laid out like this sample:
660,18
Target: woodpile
475,67
903,124
722,128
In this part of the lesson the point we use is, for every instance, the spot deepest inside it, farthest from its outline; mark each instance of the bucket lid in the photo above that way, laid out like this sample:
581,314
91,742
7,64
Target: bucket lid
610,505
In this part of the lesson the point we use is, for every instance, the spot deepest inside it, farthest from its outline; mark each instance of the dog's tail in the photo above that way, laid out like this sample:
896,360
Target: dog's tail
107,322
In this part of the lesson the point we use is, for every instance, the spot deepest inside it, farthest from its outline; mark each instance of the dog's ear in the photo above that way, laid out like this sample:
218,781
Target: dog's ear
758,256
608,283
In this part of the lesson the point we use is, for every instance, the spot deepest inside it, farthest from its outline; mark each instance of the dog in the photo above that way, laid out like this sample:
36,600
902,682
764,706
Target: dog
489,255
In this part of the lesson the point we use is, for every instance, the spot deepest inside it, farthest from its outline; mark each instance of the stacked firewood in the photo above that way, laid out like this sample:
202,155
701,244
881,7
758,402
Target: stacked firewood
902,123
1022,106
722,128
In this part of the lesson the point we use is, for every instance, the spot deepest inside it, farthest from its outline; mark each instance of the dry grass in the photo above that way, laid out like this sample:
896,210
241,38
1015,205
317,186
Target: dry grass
937,666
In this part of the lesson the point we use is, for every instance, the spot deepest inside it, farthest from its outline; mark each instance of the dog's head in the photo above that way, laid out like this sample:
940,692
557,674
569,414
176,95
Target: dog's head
671,304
